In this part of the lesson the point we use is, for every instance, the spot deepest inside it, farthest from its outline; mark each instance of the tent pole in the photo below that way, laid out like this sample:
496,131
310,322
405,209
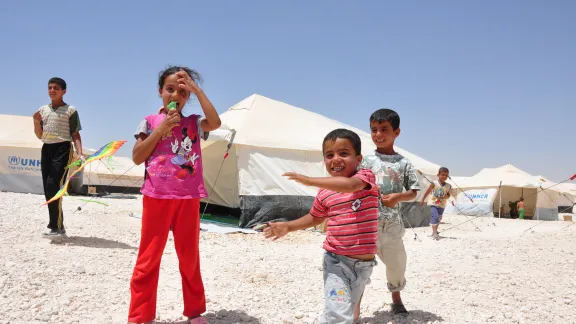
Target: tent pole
500,204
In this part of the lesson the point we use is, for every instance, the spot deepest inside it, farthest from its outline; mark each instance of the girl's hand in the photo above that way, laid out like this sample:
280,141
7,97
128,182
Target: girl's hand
186,82
276,230
171,121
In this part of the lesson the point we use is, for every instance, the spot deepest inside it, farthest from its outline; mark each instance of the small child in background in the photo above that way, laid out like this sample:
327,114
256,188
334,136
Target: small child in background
521,207
349,200
169,144
440,193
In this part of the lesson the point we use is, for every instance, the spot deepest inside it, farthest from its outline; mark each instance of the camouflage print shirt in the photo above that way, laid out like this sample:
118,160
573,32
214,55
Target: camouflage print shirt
394,174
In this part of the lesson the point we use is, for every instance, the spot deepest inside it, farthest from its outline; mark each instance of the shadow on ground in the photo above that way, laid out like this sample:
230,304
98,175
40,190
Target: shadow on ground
223,316
415,316
93,242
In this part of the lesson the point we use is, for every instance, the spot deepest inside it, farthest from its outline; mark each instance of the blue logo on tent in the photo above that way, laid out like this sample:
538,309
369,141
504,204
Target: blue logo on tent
13,160
18,161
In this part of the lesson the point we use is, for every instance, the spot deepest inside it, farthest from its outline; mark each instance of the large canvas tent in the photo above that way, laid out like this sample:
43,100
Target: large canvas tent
20,170
493,189
271,138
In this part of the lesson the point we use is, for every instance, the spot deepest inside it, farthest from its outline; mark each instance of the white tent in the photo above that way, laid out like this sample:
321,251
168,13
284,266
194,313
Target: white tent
20,153
567,197
492,189
271,138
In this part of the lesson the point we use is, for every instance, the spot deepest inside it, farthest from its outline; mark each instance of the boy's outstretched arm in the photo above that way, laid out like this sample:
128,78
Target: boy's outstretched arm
280,229
337,184
426,194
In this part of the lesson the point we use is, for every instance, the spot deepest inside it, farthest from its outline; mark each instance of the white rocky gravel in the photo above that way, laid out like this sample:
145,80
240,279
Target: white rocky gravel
501,274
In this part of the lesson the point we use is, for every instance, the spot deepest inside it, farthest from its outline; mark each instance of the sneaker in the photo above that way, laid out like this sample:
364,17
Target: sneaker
55,234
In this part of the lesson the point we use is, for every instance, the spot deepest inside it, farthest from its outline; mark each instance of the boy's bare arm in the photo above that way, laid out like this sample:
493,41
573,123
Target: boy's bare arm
37,124
426,193
77,143
407,195
337,184
279,229
390,200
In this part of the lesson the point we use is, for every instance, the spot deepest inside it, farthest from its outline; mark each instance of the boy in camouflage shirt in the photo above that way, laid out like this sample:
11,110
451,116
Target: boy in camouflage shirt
397,179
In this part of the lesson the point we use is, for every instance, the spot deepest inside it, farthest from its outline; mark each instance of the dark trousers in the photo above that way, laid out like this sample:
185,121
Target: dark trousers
55,158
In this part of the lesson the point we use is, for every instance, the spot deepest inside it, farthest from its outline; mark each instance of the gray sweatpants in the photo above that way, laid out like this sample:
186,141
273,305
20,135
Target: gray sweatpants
344,282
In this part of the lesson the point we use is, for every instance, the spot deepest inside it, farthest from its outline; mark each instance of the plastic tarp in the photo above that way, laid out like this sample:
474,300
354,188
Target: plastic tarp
474,202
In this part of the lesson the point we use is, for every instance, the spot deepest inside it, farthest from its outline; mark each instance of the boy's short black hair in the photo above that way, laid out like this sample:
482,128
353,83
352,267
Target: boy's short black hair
443,169
58,81
389,115
347,134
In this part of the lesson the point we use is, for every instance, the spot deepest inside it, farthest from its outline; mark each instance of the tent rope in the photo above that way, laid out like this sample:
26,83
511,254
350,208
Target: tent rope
228,146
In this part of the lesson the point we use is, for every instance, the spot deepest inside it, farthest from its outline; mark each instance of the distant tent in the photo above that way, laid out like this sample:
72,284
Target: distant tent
495,190
271,138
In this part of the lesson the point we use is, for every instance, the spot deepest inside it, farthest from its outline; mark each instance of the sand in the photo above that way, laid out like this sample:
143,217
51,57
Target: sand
500,274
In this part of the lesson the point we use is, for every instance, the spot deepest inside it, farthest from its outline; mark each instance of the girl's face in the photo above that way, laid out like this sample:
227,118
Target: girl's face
173,92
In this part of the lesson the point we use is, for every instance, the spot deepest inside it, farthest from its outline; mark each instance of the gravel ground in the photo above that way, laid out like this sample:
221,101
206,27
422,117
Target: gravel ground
505,273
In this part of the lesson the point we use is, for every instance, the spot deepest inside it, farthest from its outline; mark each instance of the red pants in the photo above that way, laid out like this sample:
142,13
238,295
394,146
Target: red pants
183,215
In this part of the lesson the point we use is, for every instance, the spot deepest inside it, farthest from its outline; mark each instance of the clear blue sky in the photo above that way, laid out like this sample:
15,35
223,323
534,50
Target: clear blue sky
476,84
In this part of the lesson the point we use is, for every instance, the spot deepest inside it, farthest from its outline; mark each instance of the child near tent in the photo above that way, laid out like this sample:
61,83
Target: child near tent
56,125
349,200
440,193
397,180
521,206
169,144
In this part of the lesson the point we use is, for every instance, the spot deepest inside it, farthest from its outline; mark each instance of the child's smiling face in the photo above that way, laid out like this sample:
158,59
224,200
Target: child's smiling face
383,135
340,157
173,92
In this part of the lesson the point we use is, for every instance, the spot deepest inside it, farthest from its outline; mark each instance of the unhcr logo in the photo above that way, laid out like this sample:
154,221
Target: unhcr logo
13,160
21,164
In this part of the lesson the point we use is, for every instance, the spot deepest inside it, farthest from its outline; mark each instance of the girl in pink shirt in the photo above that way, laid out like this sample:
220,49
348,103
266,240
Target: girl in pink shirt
169,144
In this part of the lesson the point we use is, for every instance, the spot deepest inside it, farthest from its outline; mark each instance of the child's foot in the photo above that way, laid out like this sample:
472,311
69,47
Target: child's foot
436,237
198,320
54,234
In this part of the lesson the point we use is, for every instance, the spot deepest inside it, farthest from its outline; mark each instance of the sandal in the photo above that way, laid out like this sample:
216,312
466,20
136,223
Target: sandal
398,309
198,320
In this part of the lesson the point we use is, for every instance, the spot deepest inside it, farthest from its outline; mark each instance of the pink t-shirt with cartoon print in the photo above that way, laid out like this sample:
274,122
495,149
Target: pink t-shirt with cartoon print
174,169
